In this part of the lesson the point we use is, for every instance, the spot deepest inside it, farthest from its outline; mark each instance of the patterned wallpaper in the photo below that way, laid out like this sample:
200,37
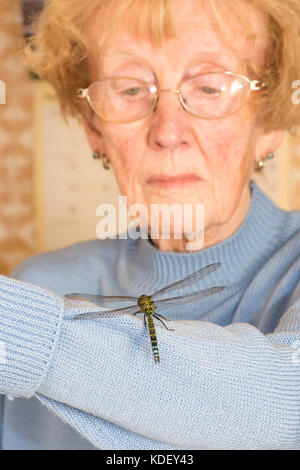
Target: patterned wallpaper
295,155
16,182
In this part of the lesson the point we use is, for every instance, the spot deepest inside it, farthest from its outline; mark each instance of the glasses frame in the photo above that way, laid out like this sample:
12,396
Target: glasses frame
253,85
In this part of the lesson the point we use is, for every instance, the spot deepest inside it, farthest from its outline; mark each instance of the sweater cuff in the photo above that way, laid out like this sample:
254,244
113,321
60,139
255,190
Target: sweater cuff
30,320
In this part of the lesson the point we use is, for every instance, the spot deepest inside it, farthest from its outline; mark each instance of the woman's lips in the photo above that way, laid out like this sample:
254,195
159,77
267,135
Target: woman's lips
172,181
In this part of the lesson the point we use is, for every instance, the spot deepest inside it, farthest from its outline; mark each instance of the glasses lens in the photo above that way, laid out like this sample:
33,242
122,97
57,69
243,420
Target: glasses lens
121,99
215,95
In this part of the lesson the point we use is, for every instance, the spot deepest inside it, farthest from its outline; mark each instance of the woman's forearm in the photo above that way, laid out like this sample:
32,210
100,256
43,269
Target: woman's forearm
30,321
216,387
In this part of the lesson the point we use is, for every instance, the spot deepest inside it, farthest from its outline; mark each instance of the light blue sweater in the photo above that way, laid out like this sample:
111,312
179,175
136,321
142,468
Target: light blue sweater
229,376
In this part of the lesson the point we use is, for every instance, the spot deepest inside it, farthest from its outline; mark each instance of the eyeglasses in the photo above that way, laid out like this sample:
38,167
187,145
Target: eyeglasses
211,95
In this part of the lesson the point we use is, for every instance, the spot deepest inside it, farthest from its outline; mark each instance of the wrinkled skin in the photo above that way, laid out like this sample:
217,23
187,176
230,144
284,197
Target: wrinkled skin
221,153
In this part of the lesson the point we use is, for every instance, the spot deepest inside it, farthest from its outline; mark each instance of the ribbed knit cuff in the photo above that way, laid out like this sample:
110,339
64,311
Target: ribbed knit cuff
30,319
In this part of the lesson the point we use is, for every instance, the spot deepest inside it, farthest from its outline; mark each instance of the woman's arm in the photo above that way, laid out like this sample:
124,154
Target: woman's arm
216,387
30,322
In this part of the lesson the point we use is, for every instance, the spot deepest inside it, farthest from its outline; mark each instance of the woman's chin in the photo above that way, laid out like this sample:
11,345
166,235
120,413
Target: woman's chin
181,193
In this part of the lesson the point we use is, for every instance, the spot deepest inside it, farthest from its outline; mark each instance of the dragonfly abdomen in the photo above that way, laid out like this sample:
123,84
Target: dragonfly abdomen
153,337
147,305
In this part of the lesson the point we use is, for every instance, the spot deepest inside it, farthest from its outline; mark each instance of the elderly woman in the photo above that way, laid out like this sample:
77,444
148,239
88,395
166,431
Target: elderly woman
183,100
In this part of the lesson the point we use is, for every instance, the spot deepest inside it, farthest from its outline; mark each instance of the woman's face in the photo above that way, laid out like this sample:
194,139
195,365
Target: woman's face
217,157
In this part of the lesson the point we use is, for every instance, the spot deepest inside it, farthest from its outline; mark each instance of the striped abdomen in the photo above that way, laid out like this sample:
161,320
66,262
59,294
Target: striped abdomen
147,305
153,337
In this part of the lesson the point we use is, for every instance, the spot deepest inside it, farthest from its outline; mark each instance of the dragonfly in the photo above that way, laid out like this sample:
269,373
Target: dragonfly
150,305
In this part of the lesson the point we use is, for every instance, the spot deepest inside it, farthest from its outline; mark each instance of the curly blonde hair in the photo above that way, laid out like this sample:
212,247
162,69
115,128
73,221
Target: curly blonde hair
57,51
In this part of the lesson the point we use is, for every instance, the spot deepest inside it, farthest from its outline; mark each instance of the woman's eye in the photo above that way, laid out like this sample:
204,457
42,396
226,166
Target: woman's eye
209,90
131,91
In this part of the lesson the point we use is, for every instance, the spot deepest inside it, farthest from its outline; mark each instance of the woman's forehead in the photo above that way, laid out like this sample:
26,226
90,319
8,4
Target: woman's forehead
188,58
197,38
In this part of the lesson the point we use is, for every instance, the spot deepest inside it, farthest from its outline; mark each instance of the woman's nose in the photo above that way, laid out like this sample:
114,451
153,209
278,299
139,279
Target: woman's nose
169,124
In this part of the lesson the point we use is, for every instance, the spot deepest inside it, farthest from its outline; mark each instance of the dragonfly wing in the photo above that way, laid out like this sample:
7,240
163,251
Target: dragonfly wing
132,310
99,299
189,280
185,299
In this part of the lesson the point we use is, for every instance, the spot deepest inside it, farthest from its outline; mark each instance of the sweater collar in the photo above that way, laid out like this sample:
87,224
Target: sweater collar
240,255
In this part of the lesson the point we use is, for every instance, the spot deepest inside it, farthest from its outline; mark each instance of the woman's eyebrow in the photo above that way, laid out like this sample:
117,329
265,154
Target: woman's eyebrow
118,52
222,57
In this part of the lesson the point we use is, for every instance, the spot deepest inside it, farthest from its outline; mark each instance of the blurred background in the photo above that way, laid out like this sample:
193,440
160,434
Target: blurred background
50,186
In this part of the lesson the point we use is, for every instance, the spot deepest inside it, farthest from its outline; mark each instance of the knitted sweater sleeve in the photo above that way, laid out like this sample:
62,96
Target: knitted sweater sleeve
216,387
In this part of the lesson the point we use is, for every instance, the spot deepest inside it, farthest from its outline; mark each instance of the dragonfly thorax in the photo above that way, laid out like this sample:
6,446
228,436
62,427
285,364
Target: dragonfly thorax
146,303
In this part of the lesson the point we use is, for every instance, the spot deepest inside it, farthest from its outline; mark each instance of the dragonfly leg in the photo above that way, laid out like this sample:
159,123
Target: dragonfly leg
145,323
155,316
159,315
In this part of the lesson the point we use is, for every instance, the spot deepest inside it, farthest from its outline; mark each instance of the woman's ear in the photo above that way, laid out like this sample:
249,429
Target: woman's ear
269,143
94,135
277,139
